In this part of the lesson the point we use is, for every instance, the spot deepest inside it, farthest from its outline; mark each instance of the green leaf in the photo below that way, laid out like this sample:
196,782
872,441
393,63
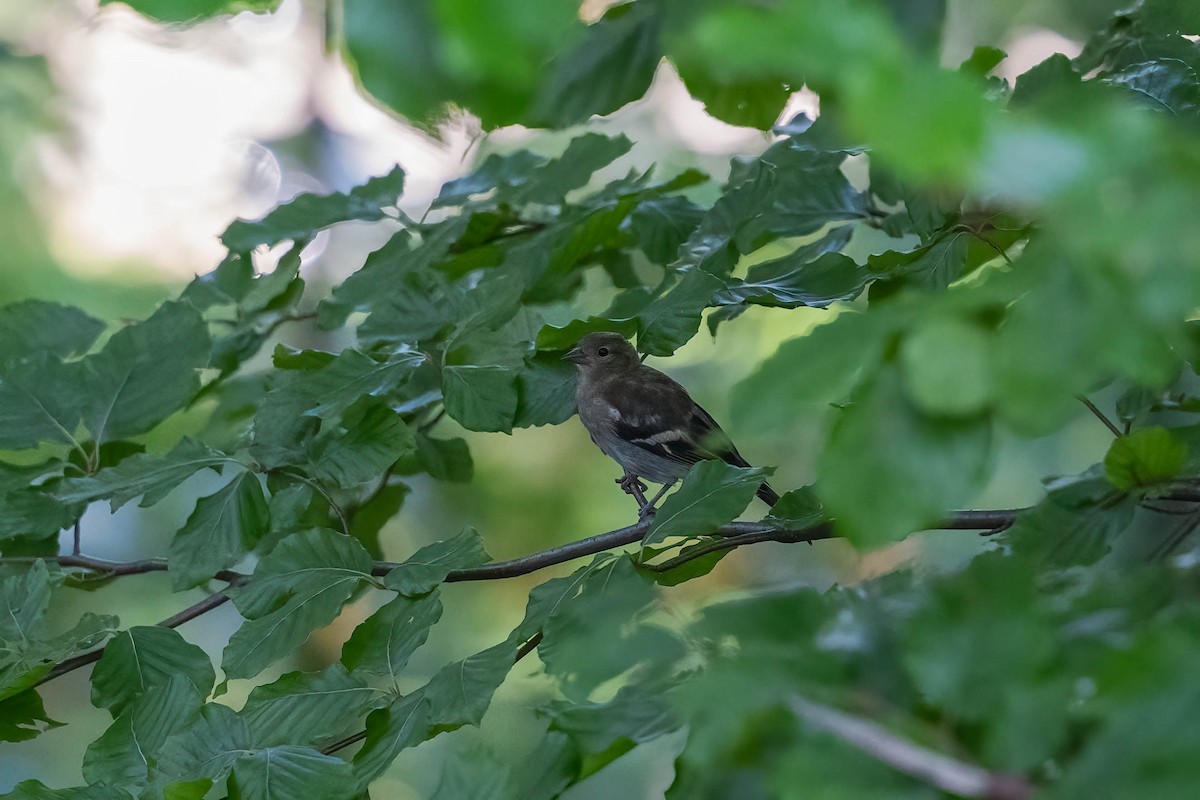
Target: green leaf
192,10
612,65
391,729
383,643
636,713
446,459
1144,457
36,326
36,790
283,420
300,586
221,530
40,400
368,520
791,190
554,337
204,749
20,715
668,322
979,633
150,476
143,658
888,470
429,566
371,444
460,693
593,633
933,266
796,510
549,183
27,649
983,60
307,707
31,514
299,219
945,363
754,103
662,225
552,766
144,373
287,772
480,398
785,284
122,755
545,392
486,57
713,493
474,773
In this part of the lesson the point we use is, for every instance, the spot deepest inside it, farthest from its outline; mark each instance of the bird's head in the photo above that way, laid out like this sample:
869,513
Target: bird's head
604,351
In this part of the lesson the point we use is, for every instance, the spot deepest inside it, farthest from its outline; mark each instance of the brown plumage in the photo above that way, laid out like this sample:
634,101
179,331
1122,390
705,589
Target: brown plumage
643,419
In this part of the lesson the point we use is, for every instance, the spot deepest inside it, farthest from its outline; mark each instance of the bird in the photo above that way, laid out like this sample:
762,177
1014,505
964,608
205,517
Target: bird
645,420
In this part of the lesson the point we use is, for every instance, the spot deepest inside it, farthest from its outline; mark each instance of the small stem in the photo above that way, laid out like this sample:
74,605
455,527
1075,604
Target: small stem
1108,423
75,541
337,510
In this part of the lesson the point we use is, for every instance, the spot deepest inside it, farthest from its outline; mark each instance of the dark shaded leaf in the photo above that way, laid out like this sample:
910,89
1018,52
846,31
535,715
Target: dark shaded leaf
612,65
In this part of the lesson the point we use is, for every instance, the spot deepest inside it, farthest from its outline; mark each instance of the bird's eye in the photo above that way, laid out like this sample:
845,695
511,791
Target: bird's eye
602,352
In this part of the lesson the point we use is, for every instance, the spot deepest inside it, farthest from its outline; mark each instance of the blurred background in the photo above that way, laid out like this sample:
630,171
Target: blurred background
127,147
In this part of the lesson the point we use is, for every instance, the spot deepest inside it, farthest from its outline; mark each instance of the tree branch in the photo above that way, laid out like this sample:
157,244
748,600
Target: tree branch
735,534
174,621
939,771
525,649
1108,423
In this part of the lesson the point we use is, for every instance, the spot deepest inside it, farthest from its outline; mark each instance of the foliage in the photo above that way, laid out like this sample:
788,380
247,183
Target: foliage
1021,246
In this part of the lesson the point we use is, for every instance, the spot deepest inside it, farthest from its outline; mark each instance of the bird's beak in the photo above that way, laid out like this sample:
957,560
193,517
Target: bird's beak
574,354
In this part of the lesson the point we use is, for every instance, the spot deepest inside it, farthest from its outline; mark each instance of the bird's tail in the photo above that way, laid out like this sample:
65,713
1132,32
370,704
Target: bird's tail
767,494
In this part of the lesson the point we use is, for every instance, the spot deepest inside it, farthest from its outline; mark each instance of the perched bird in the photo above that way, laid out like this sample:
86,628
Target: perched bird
644,420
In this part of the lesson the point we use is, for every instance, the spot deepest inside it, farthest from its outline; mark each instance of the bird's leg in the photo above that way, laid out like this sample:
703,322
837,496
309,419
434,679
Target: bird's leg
630,484
650,507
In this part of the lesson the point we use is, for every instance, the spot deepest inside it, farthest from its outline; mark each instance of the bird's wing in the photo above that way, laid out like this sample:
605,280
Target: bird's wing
656,414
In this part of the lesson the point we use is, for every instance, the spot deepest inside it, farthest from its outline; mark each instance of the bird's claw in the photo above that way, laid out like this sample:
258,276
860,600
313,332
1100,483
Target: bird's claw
630,484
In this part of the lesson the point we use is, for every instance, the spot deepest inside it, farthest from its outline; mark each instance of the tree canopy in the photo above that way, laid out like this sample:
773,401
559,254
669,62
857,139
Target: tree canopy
992,259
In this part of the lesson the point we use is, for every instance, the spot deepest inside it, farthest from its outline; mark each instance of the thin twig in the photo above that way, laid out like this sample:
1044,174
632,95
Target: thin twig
174,621
525,649
337,510
75,542
939,771
1108,423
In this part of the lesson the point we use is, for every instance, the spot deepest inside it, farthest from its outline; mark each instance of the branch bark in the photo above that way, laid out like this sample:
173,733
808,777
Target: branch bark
930,767
736,534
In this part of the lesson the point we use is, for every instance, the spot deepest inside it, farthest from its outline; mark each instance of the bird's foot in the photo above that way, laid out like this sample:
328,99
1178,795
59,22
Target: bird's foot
630,484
